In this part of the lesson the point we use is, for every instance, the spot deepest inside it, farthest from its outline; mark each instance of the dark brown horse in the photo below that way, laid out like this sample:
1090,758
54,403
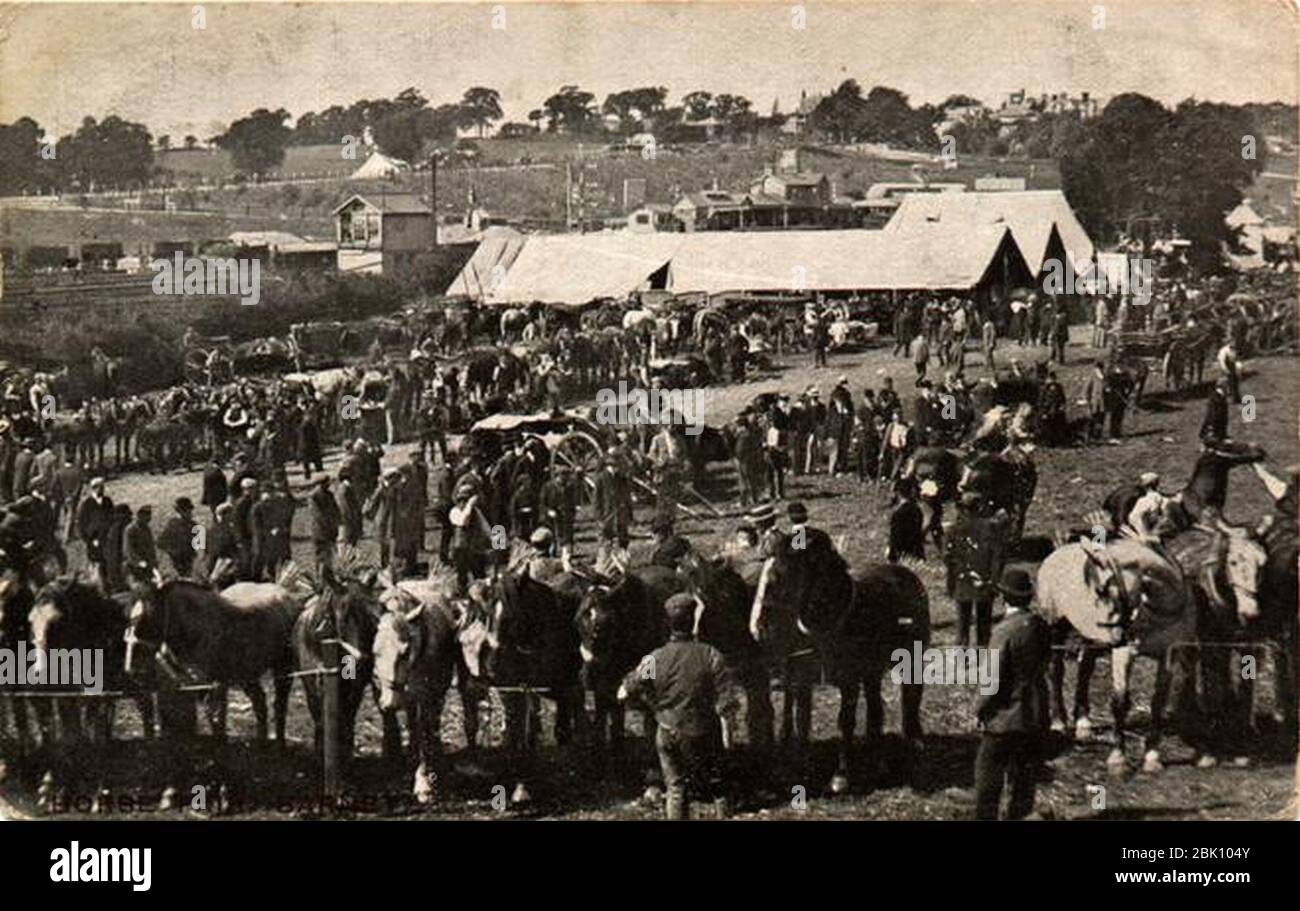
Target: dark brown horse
808,605
619,622
200,634
68,614
346,612
521,640
723,622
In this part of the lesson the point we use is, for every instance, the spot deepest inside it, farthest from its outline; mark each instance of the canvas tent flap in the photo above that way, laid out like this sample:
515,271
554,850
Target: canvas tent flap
577,268
488,265
1031,216
798,261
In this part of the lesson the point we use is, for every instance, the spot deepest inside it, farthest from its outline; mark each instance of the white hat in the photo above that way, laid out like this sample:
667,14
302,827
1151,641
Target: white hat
1149,479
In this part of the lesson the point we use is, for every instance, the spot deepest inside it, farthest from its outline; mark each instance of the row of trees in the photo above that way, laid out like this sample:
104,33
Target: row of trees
1140,167
100,154
882,115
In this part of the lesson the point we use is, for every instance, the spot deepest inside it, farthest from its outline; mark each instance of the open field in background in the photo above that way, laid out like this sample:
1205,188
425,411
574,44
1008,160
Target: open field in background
576,784
537,191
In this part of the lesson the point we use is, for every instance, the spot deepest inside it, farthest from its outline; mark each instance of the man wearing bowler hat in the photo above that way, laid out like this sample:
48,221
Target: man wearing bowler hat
1013,718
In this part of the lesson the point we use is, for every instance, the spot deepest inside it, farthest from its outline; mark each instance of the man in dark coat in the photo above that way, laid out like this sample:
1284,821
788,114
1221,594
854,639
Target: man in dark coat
557,504
351,509
309,449
139,555
94,518
443,481
68,481
974,550
1013,718
1214,429
688,686
614,503
244,503
1118,388
177,537
906,524
215,489
325,521
221,547
1051,412
1093,398
22,471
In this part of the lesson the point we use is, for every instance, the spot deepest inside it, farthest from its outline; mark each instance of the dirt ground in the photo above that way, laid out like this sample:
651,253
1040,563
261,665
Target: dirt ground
249,780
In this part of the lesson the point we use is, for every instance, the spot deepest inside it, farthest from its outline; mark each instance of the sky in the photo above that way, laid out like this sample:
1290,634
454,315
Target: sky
149,63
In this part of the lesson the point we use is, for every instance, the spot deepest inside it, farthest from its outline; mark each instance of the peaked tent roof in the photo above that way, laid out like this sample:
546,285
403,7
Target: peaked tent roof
714,262
490,262
1029,214
575,269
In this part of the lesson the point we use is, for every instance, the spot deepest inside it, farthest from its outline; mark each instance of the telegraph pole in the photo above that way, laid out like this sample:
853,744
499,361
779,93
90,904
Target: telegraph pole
433,194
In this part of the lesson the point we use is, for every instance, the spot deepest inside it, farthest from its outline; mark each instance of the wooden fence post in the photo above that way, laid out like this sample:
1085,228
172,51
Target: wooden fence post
330,718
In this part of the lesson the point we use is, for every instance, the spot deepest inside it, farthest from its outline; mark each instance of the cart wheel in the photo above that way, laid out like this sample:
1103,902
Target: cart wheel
581,452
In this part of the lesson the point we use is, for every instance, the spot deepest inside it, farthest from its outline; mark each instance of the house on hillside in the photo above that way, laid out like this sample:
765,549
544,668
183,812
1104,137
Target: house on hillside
709,210
382,233
797,122
652,217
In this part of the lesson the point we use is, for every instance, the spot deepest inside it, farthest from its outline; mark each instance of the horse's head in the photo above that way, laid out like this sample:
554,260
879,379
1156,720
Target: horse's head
1241,566
782,590
145,623
348,613
15,602
599,622
49,611
1117,593
400,639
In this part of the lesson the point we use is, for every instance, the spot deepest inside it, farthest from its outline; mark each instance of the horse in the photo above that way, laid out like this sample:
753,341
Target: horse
521,640
415,660
69,614
232,637
619,621
1279,594
1130,598
1007,479
808,604
346,612
16,600
722,621
1225,566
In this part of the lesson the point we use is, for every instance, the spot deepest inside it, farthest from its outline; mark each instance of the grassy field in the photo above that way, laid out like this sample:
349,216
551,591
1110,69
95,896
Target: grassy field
576,784
537,192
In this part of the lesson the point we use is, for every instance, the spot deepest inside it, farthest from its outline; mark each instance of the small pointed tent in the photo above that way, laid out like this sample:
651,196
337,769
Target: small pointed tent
379,165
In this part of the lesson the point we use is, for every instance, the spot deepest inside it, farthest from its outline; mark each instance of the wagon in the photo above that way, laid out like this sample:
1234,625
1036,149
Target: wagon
561,437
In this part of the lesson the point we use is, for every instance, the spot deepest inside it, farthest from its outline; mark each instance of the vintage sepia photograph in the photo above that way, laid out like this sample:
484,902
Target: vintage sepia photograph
630,411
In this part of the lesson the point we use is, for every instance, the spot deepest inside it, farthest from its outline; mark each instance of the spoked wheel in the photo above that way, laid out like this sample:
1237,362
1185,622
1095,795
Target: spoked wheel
581,452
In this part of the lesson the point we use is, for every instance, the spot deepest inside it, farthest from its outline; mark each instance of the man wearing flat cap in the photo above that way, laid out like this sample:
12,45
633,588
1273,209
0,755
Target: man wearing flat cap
1013,718
688,686
668,546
